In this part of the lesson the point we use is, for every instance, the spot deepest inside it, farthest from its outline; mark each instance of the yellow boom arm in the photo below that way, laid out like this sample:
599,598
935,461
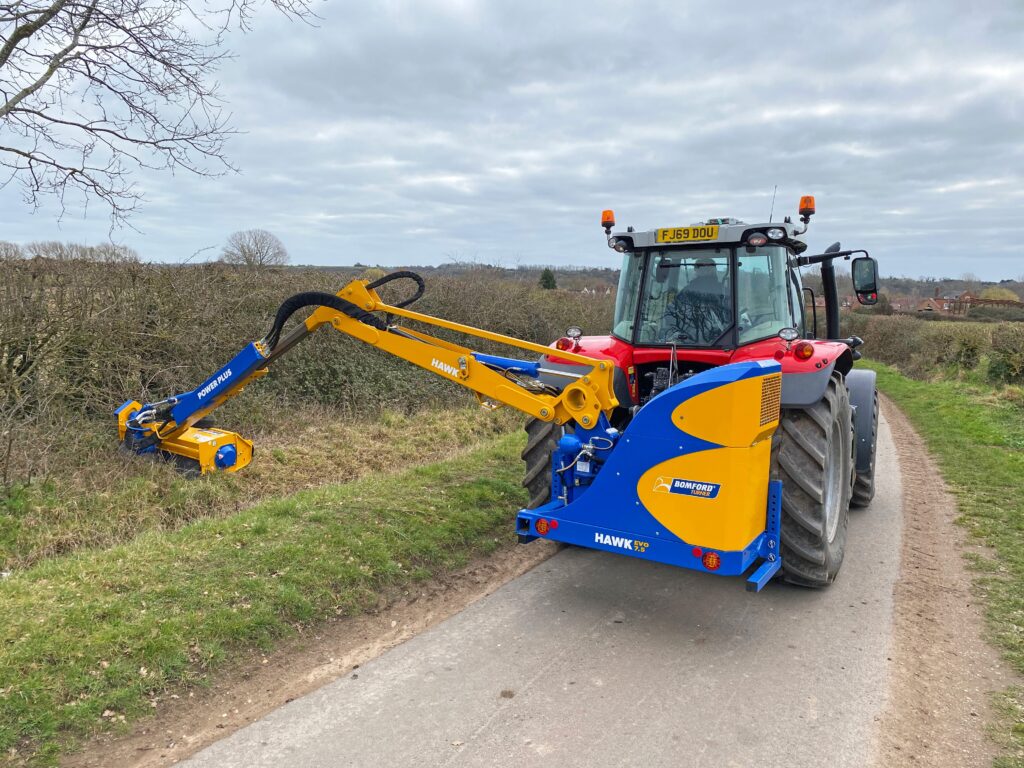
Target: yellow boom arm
168,426
582,400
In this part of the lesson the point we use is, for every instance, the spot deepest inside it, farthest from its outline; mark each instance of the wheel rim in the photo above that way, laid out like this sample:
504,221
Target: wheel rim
833,496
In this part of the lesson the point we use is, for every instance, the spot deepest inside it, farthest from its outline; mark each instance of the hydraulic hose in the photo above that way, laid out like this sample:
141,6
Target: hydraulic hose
299,301
403,274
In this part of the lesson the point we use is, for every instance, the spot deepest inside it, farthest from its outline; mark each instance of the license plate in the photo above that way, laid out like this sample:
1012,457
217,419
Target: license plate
688,234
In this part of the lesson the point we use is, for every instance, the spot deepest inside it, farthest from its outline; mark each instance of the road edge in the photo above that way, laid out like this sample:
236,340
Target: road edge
257,684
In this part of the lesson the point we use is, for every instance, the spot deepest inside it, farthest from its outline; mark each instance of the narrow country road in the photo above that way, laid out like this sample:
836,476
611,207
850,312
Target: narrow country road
596,660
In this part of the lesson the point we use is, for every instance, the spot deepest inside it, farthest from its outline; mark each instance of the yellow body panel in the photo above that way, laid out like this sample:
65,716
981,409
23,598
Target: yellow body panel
201,446
730,520
738,414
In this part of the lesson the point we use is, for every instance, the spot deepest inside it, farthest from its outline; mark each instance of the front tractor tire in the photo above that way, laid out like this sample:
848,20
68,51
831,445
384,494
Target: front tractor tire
541,441
812,455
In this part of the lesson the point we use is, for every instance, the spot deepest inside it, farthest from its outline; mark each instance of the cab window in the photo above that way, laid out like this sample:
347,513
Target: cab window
762,292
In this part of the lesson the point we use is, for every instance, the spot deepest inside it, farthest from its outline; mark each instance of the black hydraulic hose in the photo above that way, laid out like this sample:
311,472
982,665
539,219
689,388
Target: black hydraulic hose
316,299
403,274
294,303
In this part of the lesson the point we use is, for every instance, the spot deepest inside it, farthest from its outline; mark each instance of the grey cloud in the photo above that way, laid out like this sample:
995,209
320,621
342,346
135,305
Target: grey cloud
409,132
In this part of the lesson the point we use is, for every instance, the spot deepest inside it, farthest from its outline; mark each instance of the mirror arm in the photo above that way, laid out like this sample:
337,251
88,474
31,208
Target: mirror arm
803,261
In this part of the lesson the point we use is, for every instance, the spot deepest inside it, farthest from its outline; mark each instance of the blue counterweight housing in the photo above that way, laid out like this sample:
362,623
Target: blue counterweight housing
686,483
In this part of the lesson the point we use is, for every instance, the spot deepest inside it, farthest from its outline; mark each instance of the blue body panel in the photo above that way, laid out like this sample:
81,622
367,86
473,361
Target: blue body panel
600,507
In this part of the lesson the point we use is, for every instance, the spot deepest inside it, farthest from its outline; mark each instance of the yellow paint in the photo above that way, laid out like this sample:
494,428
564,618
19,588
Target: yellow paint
730,415
122,418
732,519
201,445
583,400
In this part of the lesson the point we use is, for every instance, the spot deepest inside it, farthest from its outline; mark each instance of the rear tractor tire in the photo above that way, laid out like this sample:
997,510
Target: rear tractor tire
541,441
812,455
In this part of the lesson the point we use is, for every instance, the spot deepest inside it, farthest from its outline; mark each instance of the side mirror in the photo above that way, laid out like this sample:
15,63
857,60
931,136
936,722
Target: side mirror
865,280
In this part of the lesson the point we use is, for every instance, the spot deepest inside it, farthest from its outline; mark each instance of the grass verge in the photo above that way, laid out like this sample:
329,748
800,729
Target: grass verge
107,497
94,639
976,433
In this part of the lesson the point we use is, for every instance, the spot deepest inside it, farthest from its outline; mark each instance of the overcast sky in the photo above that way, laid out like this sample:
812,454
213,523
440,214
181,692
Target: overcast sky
426,131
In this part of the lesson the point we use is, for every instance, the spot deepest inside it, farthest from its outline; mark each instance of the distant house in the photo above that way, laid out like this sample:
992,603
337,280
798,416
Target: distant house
932,305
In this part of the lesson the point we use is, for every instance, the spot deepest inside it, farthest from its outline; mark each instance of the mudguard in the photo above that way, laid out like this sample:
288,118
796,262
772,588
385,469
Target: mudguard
861,384
800,390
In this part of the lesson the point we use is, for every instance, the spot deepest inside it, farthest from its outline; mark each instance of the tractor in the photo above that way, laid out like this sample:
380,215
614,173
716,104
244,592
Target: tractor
711,429
694,298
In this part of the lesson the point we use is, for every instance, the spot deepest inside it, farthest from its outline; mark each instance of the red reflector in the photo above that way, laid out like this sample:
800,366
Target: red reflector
554,524
563,343
711,561
541,526
779,354
697,551
803,350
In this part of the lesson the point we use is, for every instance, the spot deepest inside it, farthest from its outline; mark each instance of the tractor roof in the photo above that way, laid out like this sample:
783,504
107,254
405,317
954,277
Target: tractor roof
713,231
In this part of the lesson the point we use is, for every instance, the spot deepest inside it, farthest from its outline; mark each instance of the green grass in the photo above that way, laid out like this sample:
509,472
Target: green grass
976,433
91,639
101,497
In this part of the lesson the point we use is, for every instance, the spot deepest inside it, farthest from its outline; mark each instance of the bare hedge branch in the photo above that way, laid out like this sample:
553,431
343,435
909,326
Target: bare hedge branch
92,90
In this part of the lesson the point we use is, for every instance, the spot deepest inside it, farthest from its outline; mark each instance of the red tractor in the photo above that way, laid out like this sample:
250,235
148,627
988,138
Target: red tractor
694,298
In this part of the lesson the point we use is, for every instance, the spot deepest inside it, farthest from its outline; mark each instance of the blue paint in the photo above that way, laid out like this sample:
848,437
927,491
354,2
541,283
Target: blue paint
241,367
509,364
226,456
770,542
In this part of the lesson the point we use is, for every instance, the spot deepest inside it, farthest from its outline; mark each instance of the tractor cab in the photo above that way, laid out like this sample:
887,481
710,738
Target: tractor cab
696,297
721,285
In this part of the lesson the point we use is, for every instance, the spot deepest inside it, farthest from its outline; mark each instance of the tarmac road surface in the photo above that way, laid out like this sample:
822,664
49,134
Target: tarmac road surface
593,659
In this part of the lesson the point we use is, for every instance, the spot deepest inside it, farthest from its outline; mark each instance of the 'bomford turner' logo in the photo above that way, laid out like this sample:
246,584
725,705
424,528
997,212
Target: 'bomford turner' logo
686,487
214,384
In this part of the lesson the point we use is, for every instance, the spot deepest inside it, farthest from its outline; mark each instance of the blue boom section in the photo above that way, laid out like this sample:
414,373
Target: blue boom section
241,367
596,475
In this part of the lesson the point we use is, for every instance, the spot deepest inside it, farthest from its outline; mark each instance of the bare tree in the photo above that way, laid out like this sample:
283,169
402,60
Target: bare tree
91,90
10,250
54,249
255,248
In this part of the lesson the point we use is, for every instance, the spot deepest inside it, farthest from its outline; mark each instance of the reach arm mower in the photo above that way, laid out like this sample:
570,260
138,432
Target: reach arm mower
170,426
711,430
705,442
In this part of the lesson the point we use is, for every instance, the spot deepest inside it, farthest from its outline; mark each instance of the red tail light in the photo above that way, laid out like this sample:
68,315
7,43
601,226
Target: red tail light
711,561
564,343
541,526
